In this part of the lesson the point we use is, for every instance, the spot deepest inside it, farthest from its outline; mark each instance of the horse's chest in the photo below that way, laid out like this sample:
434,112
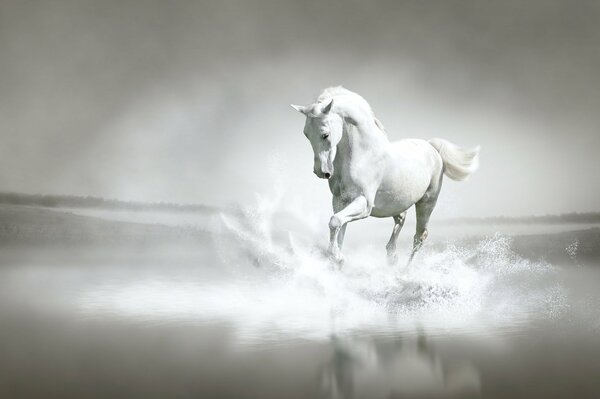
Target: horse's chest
345,188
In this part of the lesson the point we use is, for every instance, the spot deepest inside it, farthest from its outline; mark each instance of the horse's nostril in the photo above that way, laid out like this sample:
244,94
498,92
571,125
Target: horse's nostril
327,175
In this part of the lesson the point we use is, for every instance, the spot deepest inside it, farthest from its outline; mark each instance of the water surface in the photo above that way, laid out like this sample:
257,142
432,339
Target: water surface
257,311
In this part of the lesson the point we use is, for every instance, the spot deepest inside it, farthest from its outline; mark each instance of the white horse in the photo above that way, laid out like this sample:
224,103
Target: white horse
370,176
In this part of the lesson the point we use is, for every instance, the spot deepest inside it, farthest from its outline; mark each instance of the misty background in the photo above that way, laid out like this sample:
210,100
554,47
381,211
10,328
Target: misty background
145,146
188,102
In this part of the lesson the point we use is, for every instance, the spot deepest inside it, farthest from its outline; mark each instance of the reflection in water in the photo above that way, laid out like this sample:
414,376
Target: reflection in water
404,367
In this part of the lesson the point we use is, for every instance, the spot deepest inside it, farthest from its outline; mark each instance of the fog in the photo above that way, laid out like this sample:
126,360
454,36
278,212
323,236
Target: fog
188,101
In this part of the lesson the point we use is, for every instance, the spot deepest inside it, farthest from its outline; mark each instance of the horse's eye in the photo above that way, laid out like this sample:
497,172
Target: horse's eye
324,135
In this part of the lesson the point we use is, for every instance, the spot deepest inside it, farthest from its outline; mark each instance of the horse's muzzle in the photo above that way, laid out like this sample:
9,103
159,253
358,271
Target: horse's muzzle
323,175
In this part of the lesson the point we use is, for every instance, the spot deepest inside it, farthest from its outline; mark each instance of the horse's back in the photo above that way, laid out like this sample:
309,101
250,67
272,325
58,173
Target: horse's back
411,167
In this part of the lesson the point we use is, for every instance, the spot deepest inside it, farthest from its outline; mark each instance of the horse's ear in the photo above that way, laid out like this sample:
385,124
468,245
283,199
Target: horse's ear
300,108
327,108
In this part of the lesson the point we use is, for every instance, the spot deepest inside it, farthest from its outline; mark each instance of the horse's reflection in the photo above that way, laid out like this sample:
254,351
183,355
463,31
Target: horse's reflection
402,368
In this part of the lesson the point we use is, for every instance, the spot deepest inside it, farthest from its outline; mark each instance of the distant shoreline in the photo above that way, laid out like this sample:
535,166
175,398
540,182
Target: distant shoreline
572,217
90,202
74,201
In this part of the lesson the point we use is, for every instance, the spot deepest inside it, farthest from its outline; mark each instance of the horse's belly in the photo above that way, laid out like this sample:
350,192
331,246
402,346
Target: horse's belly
392,203
400,189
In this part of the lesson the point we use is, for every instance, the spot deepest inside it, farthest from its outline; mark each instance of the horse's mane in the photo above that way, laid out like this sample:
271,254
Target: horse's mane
335,91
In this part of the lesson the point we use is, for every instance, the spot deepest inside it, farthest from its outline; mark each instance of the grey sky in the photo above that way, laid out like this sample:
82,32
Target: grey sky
189,101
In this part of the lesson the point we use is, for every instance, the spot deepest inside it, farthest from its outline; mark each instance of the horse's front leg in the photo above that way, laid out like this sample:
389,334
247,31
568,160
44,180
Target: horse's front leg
357,209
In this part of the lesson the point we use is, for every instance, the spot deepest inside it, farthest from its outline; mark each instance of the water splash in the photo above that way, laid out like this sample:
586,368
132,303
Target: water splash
277,282
571,250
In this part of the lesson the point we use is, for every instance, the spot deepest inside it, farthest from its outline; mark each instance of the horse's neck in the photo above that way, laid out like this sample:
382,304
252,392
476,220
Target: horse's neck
361,141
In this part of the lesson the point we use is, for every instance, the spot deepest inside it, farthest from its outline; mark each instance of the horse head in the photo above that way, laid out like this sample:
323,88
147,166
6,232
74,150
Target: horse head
324,129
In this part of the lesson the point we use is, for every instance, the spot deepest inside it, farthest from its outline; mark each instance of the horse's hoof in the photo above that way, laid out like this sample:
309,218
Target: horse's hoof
337,259
392,260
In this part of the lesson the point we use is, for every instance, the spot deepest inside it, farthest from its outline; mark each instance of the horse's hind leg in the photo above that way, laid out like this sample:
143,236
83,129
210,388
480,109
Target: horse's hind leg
423,208
392,254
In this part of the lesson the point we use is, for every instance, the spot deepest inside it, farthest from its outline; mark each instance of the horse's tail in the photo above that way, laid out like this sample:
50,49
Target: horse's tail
459,163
